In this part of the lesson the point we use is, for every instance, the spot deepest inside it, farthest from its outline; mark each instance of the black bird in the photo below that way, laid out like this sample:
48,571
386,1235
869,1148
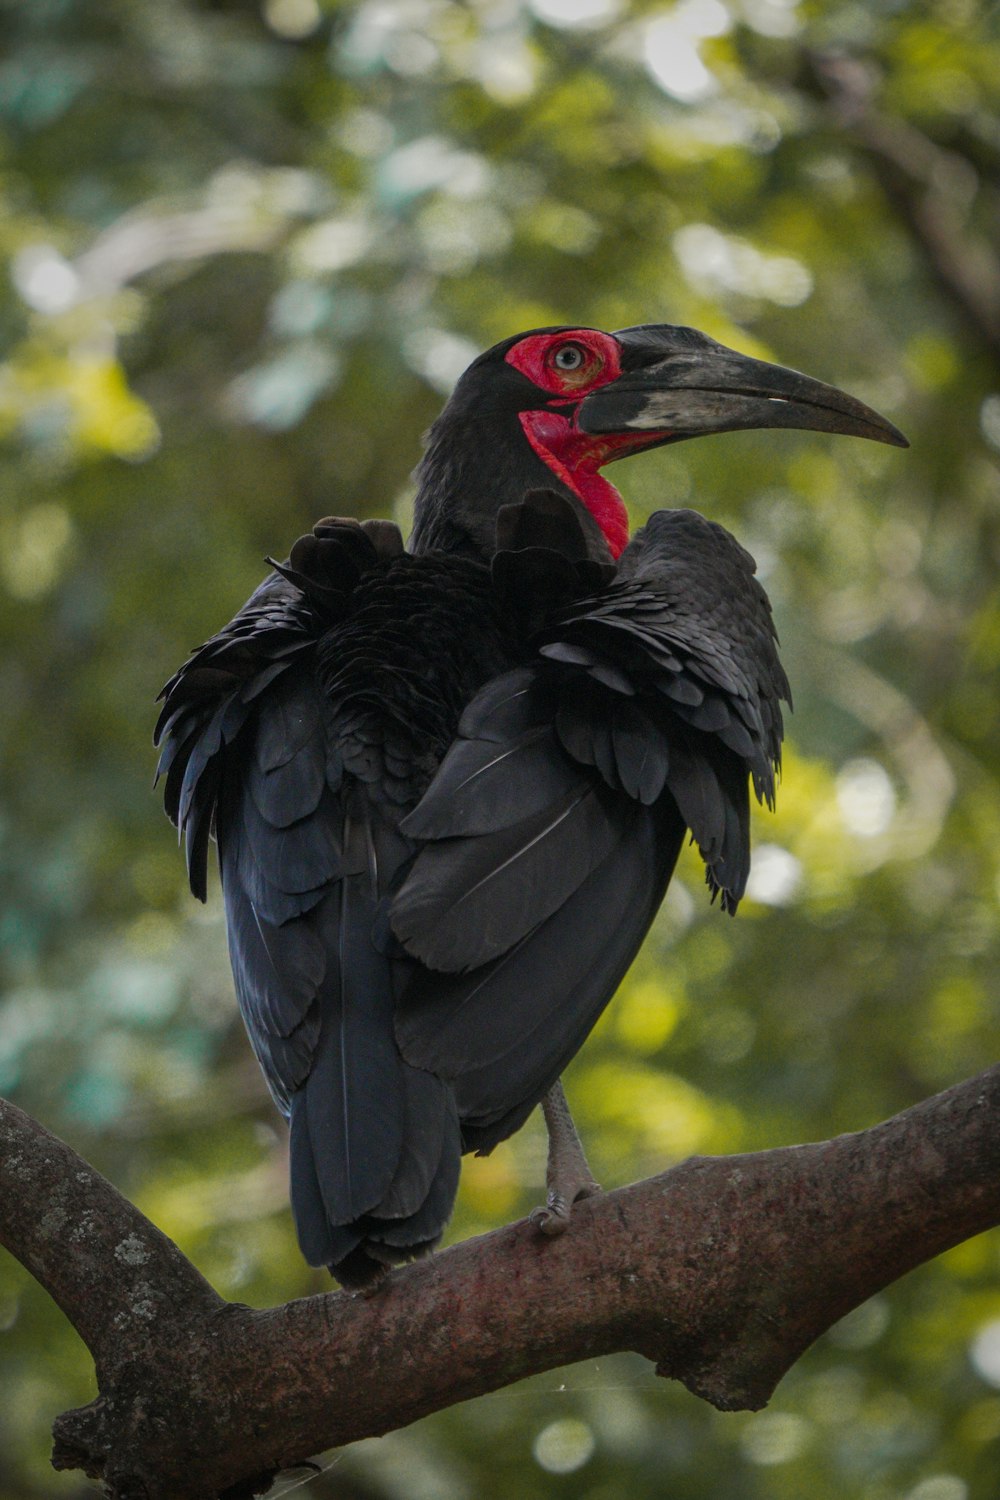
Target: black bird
449,784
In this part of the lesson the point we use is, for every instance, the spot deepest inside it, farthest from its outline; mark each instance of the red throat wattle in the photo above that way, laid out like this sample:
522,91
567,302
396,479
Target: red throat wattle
576,458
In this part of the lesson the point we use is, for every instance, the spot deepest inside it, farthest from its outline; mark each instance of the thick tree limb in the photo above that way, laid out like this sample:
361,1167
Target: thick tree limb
721,1271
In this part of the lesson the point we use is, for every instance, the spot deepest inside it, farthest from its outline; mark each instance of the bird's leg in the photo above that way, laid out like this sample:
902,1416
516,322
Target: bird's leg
567,1175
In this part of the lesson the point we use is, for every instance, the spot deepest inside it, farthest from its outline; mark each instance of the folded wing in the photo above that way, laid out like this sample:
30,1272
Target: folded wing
551,830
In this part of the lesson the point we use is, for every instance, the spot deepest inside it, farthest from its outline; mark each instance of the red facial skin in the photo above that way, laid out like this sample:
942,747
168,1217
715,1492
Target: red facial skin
534,357
574,456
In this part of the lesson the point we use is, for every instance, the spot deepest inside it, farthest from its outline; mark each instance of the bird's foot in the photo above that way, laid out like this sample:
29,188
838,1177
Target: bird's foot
554,1217
567,1177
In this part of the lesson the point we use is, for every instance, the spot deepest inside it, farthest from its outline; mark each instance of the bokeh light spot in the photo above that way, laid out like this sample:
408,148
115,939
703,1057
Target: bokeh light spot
989,420
672,59
866,798
985,1352
34,551
940,1487
564,1446
294,19
576,14
714,262
775,876
46,281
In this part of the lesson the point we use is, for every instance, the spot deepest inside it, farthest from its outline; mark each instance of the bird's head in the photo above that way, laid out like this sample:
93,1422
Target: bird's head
553,406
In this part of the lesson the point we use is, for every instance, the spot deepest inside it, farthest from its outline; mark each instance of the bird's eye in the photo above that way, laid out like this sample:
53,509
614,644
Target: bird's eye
569,357
566,362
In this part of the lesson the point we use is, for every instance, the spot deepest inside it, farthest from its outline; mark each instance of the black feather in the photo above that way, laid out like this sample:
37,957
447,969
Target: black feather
430,1129
504,1032
484,786
466,900
642,753
506,707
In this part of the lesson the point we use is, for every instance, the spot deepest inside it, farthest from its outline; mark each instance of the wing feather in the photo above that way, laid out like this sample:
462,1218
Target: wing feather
504,1032
468,899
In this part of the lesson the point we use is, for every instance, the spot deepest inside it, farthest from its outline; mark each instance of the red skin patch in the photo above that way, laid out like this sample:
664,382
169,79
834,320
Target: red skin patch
574,456
534,357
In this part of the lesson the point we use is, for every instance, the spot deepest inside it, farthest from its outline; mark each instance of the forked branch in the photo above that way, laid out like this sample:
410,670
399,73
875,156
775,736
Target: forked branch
722,1271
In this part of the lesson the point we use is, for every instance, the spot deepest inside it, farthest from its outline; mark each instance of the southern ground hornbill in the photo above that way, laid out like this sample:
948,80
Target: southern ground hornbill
449,783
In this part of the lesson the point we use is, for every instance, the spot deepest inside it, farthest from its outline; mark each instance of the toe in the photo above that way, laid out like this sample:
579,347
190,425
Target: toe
551,1220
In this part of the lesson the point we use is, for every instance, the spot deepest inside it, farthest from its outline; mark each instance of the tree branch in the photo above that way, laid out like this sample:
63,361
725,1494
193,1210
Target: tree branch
722,1271
931,190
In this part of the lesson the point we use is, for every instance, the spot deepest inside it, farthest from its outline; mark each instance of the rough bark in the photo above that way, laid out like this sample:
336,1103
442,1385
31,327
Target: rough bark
722,1271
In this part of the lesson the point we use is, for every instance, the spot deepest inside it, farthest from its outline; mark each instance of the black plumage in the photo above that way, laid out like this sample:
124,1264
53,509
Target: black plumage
449,785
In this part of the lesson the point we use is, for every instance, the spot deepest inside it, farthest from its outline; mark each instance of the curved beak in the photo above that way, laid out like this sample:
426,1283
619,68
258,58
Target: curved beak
682,392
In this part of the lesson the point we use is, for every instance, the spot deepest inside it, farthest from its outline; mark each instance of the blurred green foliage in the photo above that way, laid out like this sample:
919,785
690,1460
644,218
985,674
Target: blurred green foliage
250,246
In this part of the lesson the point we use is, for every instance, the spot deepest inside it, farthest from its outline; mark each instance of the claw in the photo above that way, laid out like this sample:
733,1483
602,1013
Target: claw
554,1218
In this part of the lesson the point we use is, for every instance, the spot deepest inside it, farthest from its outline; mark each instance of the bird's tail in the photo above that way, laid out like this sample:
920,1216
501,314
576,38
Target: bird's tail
375,1142
412,1209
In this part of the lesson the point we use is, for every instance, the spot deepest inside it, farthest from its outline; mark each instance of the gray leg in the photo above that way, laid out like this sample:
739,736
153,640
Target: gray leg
567,1175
